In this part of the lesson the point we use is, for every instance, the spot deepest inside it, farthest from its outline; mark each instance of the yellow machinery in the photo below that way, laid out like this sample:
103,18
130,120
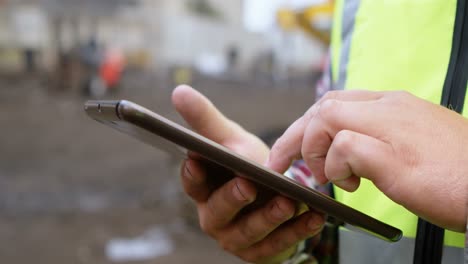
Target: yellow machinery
315,20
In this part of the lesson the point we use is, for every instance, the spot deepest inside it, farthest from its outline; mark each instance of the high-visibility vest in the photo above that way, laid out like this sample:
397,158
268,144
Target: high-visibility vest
385,45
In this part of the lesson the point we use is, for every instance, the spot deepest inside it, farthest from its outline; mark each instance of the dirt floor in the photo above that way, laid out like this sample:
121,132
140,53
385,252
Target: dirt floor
69,186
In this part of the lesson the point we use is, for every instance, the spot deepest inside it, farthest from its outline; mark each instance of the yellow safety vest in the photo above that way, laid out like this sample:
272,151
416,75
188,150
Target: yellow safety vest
385,45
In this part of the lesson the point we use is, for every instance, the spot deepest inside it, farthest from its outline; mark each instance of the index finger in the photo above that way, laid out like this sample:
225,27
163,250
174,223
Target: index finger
288,147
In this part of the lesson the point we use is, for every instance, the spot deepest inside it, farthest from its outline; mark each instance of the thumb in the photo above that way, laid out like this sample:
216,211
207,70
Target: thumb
202,115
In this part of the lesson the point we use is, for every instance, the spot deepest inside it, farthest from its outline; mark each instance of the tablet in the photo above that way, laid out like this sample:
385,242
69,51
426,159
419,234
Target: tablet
164,134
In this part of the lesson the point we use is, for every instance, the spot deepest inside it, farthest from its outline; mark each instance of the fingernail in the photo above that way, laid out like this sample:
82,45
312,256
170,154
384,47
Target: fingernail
240,193
281,211
315,222
188,173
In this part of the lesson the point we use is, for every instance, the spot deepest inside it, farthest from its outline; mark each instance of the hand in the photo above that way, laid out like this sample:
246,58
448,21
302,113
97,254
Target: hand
267,234
412,150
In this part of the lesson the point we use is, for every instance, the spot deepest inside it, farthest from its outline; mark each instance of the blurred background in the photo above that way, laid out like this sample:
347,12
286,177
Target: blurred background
74,191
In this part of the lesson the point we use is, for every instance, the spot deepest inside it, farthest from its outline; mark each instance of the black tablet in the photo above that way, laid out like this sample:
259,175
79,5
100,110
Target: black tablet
162,133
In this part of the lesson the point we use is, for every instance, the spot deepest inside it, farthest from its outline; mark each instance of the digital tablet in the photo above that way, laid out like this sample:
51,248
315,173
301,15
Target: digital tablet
164,134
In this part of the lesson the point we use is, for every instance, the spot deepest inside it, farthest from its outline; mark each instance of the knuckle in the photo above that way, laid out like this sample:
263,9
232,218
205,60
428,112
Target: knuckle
248,234
279,204
280,245
310,114
308,155
271,221
213,210
228,246
313,152
402,94
343,141
328,108
395,101
297,124
191,192
205,226
399,96
330,95
278,146
299,233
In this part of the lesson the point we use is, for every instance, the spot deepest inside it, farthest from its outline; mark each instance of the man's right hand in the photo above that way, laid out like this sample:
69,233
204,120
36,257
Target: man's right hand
270,233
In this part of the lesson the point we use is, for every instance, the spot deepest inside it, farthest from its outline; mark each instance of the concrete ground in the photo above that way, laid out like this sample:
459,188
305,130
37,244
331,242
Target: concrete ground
69,185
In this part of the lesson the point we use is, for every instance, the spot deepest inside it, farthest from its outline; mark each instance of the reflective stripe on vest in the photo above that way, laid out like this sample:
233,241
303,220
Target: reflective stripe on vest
373,53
